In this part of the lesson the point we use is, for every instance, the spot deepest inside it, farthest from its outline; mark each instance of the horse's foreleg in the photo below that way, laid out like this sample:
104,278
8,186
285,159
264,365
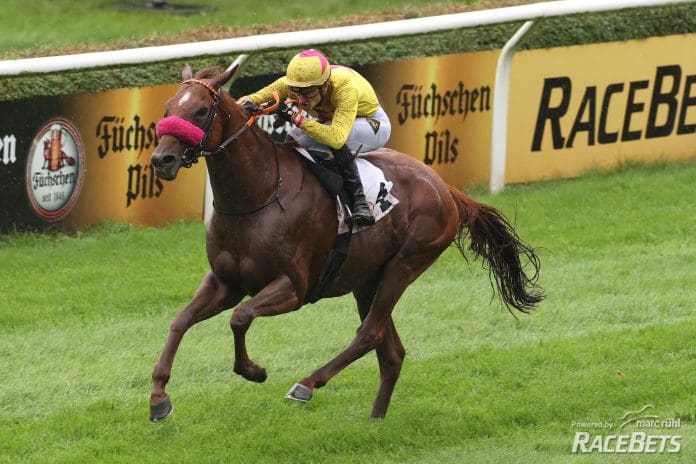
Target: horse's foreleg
279,297
211,298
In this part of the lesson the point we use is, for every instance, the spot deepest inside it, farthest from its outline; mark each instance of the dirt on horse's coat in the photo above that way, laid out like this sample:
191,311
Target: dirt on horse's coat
274,227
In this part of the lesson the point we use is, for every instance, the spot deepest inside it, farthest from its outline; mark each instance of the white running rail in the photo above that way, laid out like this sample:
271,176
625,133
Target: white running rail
320,36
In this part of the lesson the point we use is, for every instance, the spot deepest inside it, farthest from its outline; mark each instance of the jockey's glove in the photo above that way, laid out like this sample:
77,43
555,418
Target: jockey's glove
251,107
290,115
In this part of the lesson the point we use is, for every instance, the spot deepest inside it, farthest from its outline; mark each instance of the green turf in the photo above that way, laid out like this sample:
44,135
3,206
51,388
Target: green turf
83,319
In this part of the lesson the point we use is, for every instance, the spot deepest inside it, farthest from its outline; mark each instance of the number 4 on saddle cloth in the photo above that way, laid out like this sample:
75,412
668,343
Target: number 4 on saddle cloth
377,193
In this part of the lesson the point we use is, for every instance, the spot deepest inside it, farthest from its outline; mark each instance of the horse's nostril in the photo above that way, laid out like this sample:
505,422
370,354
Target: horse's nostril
166,160
169,159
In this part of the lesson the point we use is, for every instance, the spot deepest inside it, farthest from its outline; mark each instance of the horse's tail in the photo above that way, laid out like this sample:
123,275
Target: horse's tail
494,239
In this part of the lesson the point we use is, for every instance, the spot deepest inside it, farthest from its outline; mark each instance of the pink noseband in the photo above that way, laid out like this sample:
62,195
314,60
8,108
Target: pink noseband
185,131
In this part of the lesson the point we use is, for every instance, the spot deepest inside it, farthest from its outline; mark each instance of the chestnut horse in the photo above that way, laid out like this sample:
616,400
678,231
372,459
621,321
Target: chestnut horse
274,226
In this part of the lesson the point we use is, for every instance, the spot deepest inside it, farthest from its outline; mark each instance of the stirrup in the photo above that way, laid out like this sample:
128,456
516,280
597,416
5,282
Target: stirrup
362,218
358,219
363,221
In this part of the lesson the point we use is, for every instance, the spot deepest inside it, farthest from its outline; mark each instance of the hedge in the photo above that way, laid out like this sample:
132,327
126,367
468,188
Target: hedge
549,32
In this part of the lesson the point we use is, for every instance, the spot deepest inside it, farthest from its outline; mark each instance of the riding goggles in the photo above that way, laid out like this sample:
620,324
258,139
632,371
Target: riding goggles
307,92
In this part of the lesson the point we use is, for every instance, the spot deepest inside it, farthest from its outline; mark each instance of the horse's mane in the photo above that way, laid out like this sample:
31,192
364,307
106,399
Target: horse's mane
289,143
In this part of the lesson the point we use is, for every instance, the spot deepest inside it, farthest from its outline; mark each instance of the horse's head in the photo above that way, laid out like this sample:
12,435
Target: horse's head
193,121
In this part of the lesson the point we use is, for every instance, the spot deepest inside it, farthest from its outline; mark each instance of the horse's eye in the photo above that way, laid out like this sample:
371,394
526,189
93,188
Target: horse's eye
202,112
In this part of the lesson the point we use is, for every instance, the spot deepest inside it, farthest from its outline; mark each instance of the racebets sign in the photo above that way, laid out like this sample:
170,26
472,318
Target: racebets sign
597,106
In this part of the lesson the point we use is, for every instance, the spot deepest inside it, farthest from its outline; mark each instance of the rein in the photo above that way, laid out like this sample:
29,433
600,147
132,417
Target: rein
191,154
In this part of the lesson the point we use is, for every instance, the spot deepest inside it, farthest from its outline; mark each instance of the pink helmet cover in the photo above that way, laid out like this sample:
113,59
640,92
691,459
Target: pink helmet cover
185,131
312,52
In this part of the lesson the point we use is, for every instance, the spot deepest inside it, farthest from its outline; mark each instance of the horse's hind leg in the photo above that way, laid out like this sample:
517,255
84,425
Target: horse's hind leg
390,353
401,271
211,298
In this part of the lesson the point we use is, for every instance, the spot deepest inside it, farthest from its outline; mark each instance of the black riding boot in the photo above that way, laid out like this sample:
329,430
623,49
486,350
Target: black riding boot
351,179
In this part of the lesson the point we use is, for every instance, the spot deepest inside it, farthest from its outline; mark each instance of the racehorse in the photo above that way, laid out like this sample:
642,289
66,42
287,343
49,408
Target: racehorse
274,225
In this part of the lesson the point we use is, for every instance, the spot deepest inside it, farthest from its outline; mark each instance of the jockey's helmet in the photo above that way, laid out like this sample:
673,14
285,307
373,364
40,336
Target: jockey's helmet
307,69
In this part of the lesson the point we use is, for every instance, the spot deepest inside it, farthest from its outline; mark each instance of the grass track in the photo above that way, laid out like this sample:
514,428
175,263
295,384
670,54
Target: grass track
47,24
83,319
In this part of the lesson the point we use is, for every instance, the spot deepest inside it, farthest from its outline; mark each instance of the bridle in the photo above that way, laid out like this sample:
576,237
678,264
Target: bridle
191,154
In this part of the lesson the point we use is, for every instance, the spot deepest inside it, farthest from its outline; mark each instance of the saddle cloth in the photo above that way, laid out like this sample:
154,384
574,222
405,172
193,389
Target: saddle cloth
377,192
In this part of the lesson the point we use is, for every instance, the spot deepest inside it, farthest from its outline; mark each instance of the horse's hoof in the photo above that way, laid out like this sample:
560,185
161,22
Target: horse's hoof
260,376
253,372
161,410
299,392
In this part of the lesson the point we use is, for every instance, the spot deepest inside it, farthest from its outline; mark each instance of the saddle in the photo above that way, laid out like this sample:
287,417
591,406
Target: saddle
377,192
375,185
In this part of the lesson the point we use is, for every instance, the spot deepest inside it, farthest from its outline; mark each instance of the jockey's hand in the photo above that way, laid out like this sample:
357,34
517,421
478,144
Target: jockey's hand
290,115
251,107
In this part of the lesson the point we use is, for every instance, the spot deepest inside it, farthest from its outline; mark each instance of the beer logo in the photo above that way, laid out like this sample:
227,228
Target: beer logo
55,168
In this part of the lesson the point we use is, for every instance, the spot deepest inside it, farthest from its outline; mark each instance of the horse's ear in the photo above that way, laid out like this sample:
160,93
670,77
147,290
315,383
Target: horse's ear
222,78
186,72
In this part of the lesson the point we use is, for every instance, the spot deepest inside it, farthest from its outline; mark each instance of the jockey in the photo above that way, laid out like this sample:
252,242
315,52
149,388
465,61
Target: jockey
347,117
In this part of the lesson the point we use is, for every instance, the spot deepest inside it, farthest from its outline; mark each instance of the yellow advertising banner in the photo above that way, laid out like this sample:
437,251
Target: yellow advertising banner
578,108
440,110
117,131
82,159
